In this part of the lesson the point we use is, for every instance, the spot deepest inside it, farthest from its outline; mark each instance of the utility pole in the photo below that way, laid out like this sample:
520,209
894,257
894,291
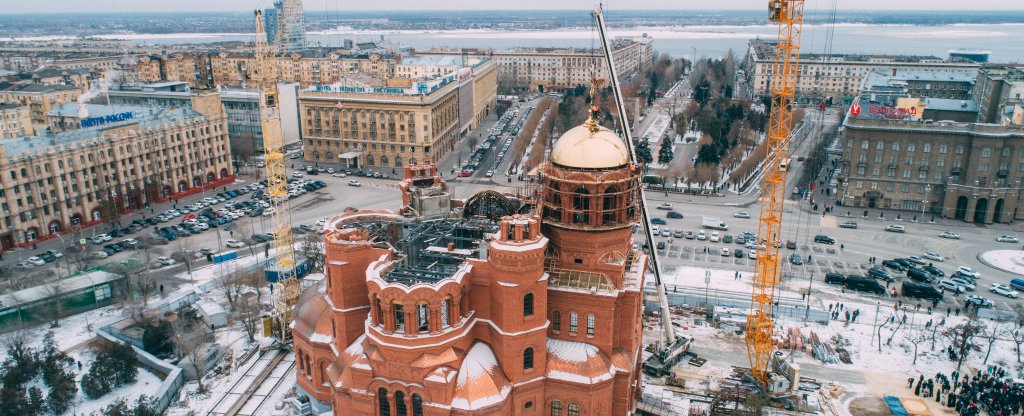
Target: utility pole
807,310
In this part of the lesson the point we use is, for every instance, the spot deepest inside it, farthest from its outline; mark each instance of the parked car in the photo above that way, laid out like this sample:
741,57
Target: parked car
47,257
933,256
895,228
933,270
665,232
965,283
677,234
1003,290
727,238
950,235
893,264
714,237
674,214
916,259
689,235
665,206
848,224
950,286
1007,239
967,271
354,183
98,255
881,274
824,239
739,253
55,253
790,245
920,291
701,236
235,243
979,301
164,261
920,275
725,252
742,214
796,259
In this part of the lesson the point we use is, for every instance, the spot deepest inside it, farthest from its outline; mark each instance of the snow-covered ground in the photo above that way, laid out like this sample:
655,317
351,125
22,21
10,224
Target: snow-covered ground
1011,261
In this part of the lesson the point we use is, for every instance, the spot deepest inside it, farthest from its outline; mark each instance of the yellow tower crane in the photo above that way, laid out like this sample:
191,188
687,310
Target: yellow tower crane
286,288
789,15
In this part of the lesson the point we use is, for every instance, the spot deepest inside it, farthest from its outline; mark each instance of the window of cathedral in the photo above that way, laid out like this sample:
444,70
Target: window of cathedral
556,321
556,408
574,409
590,324
528,304
400,408
422,321
399,318
528,359
573,323
382,402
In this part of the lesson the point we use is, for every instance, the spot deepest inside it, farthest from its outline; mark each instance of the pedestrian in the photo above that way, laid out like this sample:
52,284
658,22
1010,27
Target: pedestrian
957,311
161,288
948,310
842,247
79,365
830,307
910,382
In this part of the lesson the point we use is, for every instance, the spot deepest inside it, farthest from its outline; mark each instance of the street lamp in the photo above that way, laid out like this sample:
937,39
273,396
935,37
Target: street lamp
924,202
807,309
707,285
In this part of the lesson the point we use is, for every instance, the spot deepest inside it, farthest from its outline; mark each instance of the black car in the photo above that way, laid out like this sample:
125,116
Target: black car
727,238
674,214
934,270
920,291
739,253
48,257
661,245
893,264
920,275
864,284
835,278
824,239
907,264
881,274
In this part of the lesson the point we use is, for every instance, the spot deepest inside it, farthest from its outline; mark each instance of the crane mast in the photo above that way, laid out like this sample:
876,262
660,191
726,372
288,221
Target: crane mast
788,14
286,289
666,319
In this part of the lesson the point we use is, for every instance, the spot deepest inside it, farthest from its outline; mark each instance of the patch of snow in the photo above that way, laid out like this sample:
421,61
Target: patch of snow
320,338
146,384
508,284
576,378
1011,261
571,351
507,246
479,361
482,402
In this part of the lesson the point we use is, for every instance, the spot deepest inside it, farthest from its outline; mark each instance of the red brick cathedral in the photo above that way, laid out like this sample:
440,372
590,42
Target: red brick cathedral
496,305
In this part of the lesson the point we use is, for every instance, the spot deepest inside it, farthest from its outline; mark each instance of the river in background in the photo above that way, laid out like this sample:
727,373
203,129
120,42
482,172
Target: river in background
1005,41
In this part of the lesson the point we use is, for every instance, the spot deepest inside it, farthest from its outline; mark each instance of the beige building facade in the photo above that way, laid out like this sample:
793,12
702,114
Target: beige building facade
837,75
390,127
40,98
15,121
62,182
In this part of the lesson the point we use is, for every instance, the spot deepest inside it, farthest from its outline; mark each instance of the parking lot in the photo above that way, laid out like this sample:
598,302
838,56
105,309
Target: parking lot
848,255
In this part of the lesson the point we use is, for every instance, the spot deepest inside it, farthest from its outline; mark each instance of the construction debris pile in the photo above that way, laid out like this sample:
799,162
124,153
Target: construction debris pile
826,351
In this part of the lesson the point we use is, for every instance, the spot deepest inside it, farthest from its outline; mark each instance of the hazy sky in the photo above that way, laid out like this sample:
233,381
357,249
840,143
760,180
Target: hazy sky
62,6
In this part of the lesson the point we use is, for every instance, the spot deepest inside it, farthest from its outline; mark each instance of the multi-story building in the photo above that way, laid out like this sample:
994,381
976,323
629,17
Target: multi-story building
290,30
408,121
15,121
967,171
57,182
240,106
556,68
997,88
76,77
427,66
28,61
478,310
953,85
837,75
39,98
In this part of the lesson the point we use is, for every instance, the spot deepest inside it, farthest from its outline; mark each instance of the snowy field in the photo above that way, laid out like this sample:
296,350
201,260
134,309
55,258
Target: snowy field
146,384
1011,261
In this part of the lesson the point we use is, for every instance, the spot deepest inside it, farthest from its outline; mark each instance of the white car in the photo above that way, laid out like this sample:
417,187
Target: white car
969,272
321,222
330,170
979,301
1003,290
742,214
966,284
203,226
36,261
950,235
714,236
933,256
701,236
895,228
98,255
917,260
165,261
752,254
338,174
269,211
655,230
235,244
725,252
354,183
665,206
1007,239
296,175
950,285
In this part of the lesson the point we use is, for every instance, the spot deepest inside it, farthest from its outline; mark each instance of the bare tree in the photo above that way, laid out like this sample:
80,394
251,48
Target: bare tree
312,250
962,338
991,336
184,253
247,313
916,336
189,341
54,292
230,284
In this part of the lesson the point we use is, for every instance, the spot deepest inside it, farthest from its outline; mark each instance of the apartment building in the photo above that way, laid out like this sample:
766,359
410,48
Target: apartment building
838,75
998,89
560,68
39,98
406,122
15,121
55,183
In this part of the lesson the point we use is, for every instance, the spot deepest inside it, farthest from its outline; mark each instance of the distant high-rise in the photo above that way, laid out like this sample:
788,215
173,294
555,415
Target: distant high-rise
288,27
270,17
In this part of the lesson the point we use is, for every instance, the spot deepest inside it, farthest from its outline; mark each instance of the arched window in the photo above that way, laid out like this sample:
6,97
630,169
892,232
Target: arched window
528,304
417,405
369,160
556,408
309,367
590,324
528,359
384,160
556,321
400,408
399,318
580,206
608,205
422,321
444,313
398,164
574,409
323,374
573,322
382,402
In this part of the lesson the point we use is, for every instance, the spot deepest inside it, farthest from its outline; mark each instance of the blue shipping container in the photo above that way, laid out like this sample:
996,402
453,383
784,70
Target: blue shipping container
1017,284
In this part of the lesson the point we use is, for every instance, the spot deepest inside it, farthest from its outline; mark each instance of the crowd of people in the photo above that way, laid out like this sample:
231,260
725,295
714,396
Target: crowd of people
990,391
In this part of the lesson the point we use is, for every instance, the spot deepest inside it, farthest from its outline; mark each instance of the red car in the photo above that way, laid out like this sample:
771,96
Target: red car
465,173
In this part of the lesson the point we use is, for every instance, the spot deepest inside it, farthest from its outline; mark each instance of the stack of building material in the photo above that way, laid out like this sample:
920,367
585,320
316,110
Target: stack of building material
822,351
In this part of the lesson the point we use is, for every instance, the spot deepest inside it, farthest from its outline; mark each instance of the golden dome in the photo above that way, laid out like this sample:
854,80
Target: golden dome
590,146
